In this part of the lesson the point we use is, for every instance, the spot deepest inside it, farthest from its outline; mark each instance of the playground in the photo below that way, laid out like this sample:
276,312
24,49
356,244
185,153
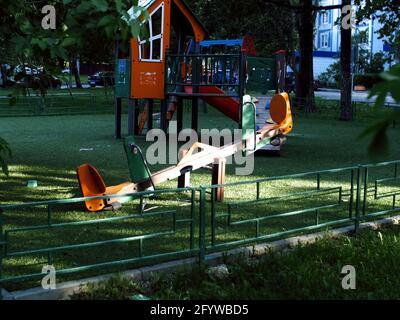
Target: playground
82,197
48,149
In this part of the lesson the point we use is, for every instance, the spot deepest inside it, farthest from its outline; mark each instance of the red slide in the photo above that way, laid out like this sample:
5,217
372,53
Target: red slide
227,105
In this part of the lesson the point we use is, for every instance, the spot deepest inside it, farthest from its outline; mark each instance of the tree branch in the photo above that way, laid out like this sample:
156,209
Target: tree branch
324,8
296,7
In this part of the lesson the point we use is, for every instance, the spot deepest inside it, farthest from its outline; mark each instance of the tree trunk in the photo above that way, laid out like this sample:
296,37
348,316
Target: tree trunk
305,77
346,113
3,75
77,75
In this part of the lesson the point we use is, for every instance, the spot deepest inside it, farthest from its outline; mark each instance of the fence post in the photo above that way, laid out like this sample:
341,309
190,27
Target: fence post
202,225
365,197
358,199
193,218
2,251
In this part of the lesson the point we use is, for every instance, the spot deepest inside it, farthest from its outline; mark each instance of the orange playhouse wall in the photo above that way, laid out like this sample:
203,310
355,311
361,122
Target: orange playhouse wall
148,78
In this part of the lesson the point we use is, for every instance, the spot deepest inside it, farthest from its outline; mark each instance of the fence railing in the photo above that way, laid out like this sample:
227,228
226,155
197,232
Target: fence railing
162,225
329,107
58,104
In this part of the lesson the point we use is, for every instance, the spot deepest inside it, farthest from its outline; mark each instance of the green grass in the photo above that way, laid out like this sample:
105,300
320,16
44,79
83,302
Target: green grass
310,271
48,149
59,102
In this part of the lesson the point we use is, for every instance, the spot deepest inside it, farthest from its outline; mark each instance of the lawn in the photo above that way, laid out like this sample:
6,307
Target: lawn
311,271
49,148
58,102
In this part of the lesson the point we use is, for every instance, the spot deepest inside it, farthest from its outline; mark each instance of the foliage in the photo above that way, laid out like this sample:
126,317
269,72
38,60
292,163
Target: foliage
78,24
369,70
376,64
331,77
272,28
388,14
308,271
5,152
87,28
367,80
389,86
115,288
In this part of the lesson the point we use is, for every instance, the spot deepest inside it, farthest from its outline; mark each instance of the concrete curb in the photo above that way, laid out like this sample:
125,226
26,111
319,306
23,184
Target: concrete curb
64,290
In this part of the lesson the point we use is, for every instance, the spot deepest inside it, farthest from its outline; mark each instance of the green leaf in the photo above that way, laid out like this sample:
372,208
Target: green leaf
105,21
380,142
67,42
84,7
12,101
135,30
101,5
4,151
395,90
4,166
119,5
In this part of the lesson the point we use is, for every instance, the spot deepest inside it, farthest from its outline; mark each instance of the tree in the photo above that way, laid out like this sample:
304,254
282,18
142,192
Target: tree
305,76
273,24
388,14
80,24
345,62
271,27
5,152
378,131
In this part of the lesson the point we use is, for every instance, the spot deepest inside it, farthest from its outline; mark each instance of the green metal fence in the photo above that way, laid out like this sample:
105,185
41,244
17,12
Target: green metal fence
170,224
58,104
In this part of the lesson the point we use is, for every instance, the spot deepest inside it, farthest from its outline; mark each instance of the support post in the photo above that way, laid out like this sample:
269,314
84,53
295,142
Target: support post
195,114
218,177
136,118
196,76
242,80
184,179
131,117
2,251
202,226
150,115
163,116
179,115
118,115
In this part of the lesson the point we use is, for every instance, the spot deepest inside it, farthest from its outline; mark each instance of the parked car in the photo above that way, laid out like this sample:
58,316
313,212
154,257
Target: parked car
66,71
317,85
102,78
290,80
6,77
28,69
53,82
34,77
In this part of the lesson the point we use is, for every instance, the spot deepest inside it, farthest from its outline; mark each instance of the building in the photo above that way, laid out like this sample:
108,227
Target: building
327,37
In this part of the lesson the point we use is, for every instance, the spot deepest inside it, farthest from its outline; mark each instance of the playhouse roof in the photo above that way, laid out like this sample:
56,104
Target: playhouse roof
147,4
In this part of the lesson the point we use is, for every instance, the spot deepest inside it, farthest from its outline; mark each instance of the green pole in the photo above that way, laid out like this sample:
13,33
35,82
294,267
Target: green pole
202,226
2,250
358,199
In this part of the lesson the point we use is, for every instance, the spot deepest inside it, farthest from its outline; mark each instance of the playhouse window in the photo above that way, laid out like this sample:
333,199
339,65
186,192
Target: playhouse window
151,49
145,50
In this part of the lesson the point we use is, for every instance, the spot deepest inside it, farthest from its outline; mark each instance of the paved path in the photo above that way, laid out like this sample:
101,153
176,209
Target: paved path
358,96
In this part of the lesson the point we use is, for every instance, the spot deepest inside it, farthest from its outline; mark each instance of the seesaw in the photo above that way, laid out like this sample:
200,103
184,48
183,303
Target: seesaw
198,156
